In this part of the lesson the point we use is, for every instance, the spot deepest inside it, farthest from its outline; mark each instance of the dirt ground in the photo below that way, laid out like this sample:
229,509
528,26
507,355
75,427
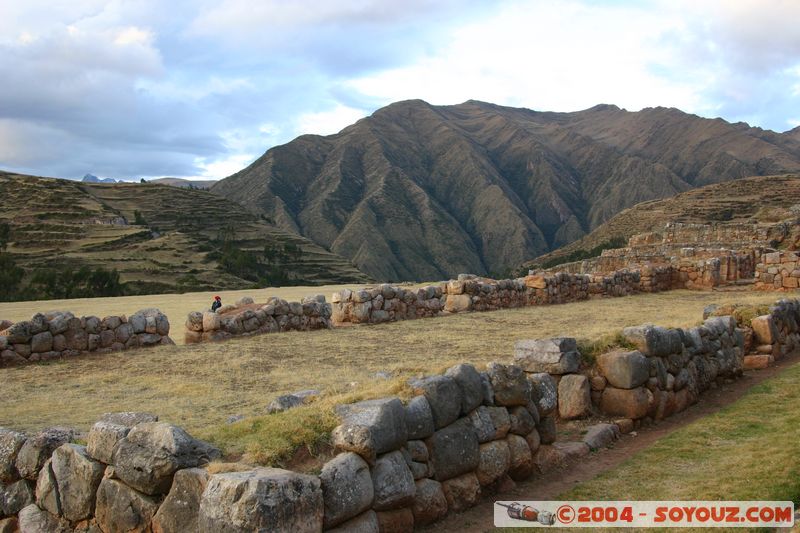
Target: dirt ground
549,486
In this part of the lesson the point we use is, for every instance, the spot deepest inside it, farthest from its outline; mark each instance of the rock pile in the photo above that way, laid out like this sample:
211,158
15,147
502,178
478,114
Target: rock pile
59,334
248,318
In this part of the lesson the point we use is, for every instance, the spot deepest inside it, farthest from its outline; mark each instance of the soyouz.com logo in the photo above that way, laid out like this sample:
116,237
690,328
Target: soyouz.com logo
749,514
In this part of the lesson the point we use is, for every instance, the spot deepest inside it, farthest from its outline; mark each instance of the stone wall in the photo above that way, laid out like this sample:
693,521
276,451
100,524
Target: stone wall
247,318
398,465
778,271
58,335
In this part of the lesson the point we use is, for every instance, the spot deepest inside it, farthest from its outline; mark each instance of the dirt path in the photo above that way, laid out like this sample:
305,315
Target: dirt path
549,486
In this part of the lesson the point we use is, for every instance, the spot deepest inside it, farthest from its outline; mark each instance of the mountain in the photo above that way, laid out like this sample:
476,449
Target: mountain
760,199
160,238
181,182
418,192
91,178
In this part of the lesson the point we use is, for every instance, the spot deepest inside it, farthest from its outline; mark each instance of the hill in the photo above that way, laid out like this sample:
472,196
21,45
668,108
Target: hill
761,199
417,191
159,238
180,182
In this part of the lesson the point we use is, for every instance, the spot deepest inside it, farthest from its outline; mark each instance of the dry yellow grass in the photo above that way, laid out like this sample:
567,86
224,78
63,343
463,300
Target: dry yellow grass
199,386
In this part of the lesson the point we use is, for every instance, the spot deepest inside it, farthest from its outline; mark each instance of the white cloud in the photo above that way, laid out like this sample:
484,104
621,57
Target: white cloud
328,122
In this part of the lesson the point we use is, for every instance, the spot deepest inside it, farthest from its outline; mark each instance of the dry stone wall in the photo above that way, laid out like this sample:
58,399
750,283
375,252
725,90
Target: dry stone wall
778,271
60,334
247,318
399,465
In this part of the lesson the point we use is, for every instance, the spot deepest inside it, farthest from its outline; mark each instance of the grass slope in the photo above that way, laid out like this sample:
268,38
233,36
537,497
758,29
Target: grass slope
61,222
200,386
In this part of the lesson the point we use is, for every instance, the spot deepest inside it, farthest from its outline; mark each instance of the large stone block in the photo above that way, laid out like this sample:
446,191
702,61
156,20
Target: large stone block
121,508
152,452
346,488
103,438
554,356
264,499
624,370
461,492
469,380
601,435
574,400
364,523
15,496
495,459
31,519
181,508
396,521
764,329
430,503
654,340
458,303
419,418
444,397
521,460
371,427
490,423
510,385
628,403
454,450
547,430
71,478
393,482
522,422
38,449
544,393
10,443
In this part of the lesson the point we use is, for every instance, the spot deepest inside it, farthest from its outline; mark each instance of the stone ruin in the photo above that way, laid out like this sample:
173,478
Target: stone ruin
399,465
247,318
60,334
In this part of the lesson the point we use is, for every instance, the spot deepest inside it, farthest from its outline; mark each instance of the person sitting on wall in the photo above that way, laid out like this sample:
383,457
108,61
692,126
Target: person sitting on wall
217,303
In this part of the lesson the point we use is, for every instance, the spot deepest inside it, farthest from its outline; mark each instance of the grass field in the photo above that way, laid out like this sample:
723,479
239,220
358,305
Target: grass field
199,386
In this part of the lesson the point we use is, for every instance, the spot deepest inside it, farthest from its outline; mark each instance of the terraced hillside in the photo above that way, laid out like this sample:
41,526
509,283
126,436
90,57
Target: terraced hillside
172,244
762,199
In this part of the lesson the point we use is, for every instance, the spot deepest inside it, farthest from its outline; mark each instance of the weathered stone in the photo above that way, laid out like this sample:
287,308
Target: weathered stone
544,393
764,329
495,459
522,422
521,460
419,418
572,450
15,496
180,509
444,397
461,492
149,455
482,423
121,508
42,342
19,333
469,381
601,435
10,443
396,521
128,418
654,340
264,499
392,481
74,478
102,439
509,383
37,449
574,400
454,450
364,523
31,519
9,525
757,362
430,503
534,440
628,403
488,391
624,370
371,427
346,487
554,356
547,429
284,403
548,458
458,303
625,425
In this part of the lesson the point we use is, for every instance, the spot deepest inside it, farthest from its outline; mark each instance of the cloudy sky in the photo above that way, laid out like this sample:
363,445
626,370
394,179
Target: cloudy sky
145,88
